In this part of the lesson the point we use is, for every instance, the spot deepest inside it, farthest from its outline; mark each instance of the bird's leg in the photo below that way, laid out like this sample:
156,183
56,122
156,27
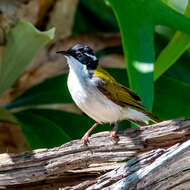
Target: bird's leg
87,134
113,133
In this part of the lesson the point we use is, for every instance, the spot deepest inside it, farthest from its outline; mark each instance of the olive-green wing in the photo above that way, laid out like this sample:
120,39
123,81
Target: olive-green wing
120,94
113,90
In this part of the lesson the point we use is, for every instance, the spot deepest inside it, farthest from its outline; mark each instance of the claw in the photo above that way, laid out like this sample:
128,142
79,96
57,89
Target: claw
114,137
113,134
84,139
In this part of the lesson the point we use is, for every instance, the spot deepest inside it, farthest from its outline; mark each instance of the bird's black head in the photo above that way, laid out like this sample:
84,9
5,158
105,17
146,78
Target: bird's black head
83,54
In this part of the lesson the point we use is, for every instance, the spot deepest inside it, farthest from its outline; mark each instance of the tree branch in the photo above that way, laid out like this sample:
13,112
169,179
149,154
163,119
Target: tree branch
79,166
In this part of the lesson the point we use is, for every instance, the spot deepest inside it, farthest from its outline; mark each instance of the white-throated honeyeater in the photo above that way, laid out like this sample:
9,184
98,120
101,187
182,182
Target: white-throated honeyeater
98,94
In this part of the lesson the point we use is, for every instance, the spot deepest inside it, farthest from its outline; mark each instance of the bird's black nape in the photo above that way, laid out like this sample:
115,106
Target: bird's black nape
85,55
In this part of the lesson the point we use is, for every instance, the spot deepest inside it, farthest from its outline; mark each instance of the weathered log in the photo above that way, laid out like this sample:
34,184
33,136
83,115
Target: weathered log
171,170
78,166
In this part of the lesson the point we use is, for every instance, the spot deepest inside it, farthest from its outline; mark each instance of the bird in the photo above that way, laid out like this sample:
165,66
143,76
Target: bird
98,94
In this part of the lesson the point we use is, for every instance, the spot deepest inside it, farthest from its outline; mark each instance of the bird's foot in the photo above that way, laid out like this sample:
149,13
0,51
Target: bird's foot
114,137
113,134
85,140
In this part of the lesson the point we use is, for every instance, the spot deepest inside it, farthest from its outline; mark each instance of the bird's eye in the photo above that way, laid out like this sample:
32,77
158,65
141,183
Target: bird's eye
79,54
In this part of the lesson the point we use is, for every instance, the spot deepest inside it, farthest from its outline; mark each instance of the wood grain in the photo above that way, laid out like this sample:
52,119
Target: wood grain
170,170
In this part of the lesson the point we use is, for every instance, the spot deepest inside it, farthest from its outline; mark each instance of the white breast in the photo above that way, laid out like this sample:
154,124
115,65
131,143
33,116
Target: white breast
91,101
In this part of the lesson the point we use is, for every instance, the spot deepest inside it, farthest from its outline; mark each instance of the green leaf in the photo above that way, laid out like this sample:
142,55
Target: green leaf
171,98
137,38
41,132
176,47
23,43
7,116
137,20
178,5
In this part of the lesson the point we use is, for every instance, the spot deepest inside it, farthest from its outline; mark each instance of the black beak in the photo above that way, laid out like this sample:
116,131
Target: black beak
64,52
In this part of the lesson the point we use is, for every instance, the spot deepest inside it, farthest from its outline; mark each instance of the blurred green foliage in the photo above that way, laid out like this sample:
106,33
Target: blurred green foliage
23,43
176,47
166,88
137,21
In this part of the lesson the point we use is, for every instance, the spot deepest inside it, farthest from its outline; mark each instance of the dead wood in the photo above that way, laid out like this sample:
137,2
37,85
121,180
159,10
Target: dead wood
170,170
76,166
